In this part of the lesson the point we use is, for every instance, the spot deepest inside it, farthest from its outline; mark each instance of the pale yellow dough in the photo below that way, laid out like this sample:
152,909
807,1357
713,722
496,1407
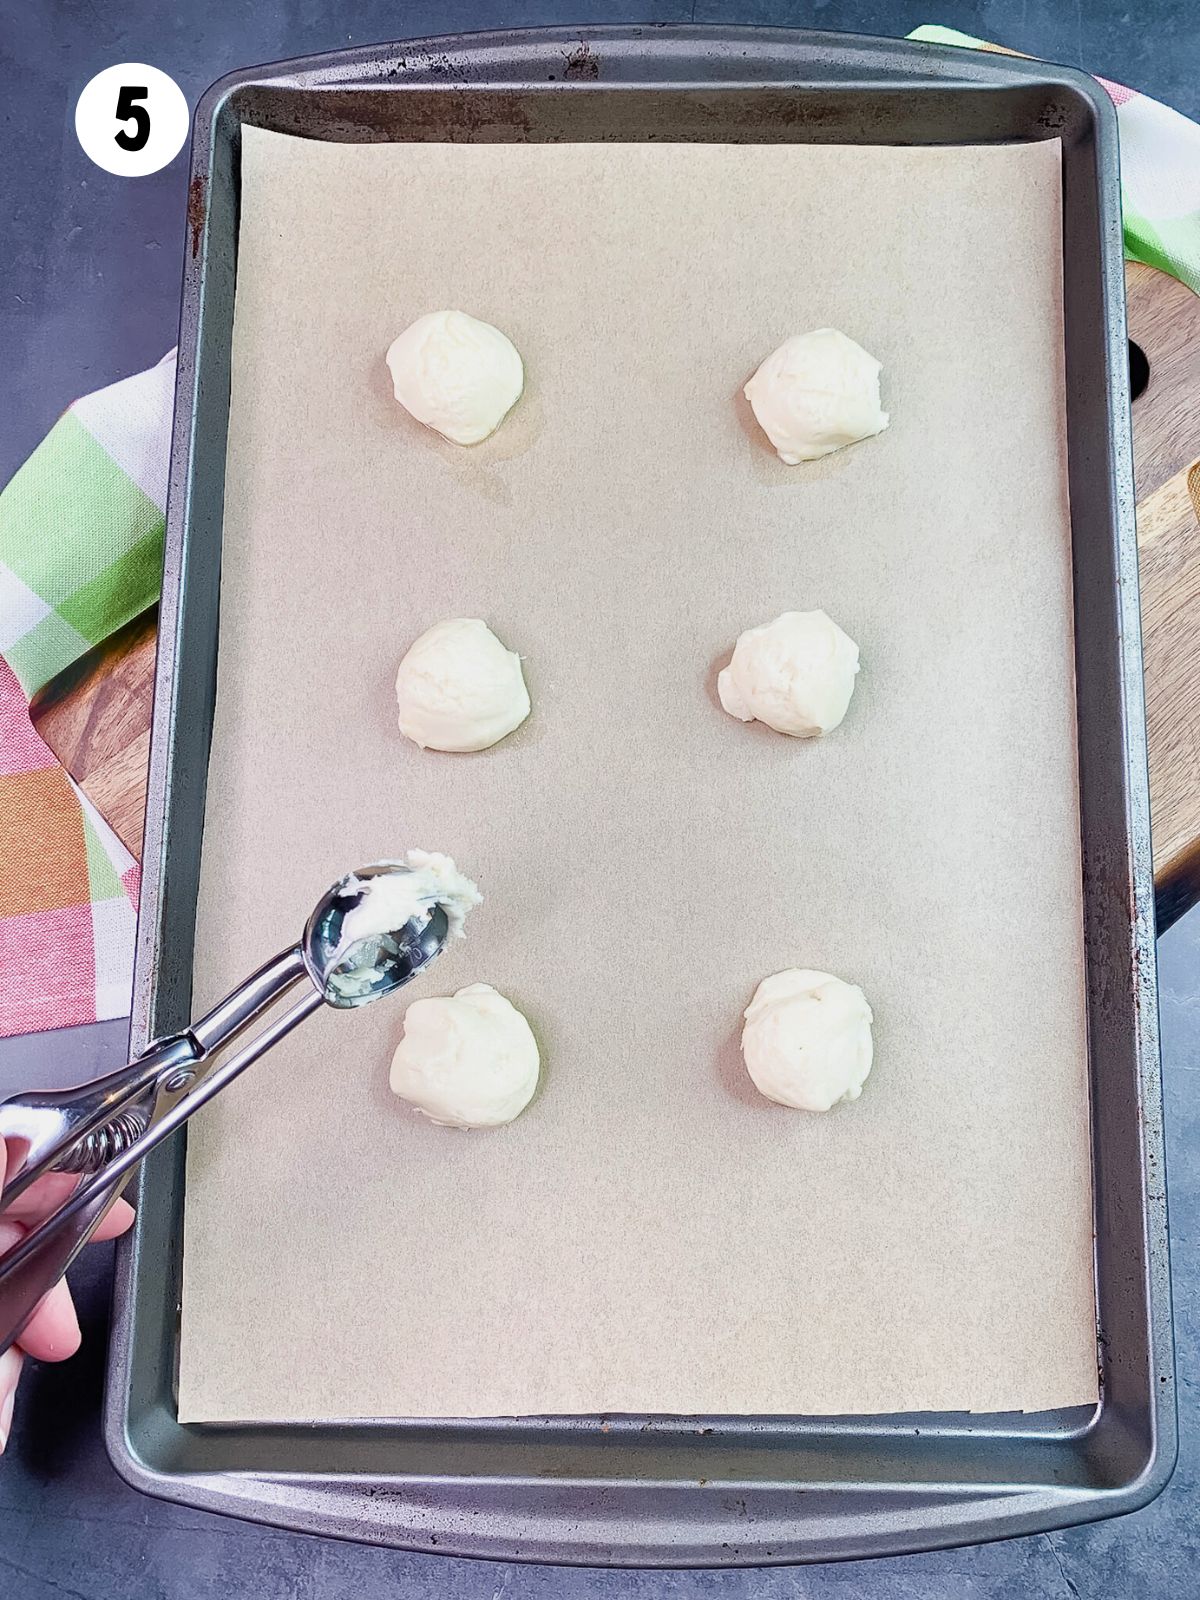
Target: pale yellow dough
817,393
456,374
458,688
795,674
807,1039
467,1060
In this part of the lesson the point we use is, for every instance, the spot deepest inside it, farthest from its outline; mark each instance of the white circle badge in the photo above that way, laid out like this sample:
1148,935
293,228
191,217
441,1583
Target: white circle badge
132,119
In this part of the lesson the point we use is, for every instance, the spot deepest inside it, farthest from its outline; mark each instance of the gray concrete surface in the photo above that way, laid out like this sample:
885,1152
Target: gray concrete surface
89,280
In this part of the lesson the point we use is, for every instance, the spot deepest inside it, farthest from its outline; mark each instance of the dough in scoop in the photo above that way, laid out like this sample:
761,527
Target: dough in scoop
456,374
817,393
796,674
467,1060
459,689
807,1039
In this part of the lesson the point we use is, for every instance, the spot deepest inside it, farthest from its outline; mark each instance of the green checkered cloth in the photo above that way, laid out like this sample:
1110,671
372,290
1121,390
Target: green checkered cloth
81,526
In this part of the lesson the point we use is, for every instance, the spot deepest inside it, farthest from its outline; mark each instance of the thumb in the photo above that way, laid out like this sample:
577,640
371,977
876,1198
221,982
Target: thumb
10,1371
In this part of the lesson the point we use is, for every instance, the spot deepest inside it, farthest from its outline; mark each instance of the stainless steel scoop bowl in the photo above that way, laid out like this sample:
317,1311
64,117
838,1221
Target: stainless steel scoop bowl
370,967
104,1129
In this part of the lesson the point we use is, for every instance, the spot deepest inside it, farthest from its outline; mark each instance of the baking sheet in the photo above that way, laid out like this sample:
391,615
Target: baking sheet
652,1236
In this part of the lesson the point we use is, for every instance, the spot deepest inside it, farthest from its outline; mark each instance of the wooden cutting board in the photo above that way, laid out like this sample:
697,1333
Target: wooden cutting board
96,716
1164,321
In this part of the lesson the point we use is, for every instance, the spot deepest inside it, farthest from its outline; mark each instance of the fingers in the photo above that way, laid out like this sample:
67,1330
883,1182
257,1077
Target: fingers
10,1234
115,1222
10,1371
49,1192
41,1198
52,1333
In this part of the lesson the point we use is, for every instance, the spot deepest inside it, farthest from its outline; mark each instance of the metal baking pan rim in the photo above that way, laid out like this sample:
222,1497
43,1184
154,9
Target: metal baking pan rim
442,1519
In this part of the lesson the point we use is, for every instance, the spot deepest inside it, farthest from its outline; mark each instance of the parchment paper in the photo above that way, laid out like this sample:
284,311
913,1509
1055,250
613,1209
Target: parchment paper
651,1235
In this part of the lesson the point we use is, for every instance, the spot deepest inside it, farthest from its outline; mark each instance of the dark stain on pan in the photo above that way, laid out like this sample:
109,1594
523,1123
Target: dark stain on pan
581,65
437,114
197,209
1054,118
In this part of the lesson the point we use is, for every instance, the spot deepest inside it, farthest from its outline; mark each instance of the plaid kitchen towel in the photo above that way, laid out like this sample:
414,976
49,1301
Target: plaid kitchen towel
81,529
81,526
68,887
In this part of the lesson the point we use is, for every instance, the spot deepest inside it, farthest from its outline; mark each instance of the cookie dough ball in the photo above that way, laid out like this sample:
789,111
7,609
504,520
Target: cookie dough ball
466,1061
456,374
459,689
807,1039
796,674
817,393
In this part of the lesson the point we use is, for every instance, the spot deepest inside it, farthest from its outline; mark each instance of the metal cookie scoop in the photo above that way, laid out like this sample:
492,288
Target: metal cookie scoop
104,1129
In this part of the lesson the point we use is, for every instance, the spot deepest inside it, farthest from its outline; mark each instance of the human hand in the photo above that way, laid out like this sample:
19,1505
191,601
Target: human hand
52,1333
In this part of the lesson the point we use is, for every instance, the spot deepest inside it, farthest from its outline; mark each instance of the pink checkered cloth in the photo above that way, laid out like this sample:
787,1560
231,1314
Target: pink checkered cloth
68,889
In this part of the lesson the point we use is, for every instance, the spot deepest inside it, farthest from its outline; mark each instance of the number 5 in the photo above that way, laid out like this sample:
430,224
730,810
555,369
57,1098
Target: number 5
127,111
